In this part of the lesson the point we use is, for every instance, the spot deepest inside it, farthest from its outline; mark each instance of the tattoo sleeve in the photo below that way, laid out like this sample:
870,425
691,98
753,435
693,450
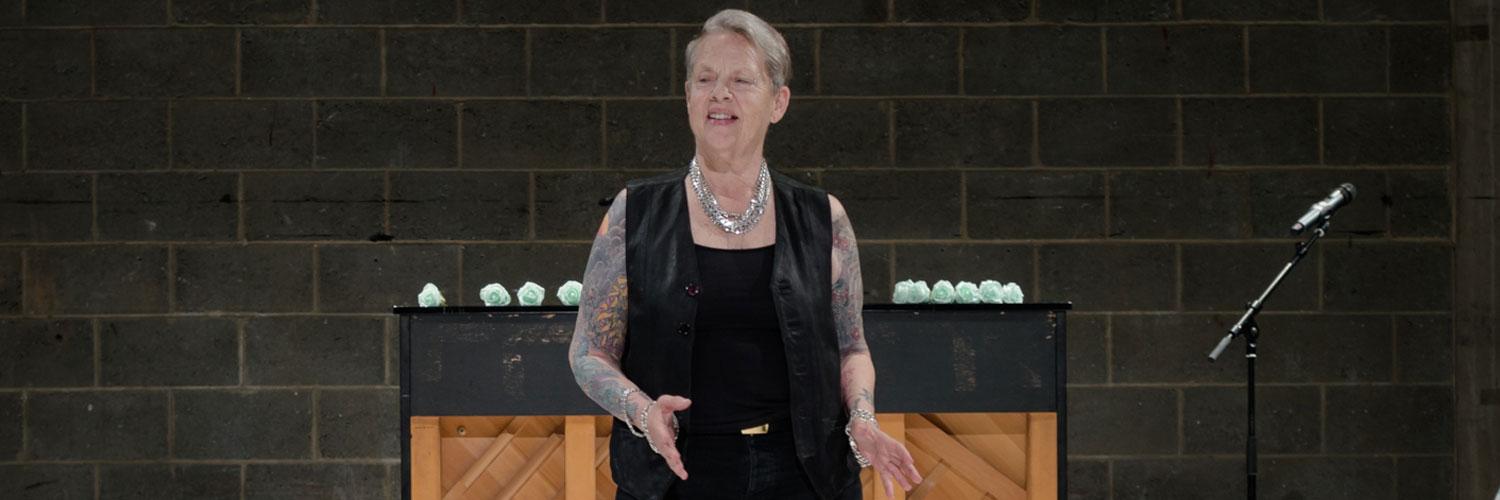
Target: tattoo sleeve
857,371
599,334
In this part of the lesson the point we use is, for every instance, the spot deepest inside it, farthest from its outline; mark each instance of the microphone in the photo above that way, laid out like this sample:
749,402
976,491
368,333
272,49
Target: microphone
1340,196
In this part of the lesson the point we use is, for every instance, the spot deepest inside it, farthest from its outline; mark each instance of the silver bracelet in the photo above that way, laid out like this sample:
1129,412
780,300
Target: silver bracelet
624,398
646,425
868,417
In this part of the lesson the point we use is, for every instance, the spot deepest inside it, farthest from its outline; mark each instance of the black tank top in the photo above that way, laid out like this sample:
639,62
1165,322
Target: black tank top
739,361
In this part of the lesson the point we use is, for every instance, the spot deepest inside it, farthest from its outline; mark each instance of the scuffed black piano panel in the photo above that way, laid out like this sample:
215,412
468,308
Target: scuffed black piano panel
513,360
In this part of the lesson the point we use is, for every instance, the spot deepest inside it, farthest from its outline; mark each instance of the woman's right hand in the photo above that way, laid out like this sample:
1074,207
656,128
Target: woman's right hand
660,426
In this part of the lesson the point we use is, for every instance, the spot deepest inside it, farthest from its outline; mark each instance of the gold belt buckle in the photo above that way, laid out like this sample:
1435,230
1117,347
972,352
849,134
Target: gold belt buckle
757,430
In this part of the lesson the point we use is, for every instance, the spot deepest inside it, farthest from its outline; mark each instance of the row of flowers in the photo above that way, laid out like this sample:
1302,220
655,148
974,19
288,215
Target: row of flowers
495,294
945,292
906,292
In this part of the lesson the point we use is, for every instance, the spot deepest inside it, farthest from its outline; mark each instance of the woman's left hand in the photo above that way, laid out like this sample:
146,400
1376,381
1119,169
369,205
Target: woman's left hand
886,455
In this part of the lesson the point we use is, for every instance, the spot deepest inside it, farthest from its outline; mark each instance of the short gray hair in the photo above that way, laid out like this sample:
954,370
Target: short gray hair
767,40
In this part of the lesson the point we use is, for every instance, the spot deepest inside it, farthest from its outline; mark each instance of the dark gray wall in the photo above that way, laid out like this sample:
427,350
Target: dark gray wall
207,208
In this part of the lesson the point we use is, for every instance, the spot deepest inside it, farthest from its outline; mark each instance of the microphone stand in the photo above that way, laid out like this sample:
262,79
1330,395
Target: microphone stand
1246,327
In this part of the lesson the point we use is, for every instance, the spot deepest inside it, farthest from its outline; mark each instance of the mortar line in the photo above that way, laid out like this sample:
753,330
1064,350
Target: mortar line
240,230
96,481
531,206
830,97
1388,58
1036,270
458,109
890,132
171,111
240,348
314,158
1323,419
25,280
1180,306
603,133
461,293
171,424
784,26
386,206
315,395
1322,160
526,52
1395,353
960,60
963,205
243,472
1245,55
1389,227
458,11
672,87
891,267
1108,205
98,361
94,207
171,278
385,350
1181,425
818,61
93,62
383,91
25,119
1180,132
1104,59
1036,132
1109,349
890,11
239,62
25,423
317,281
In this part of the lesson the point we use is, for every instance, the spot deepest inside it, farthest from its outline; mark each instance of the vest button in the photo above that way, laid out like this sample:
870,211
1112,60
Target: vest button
684,328
692,289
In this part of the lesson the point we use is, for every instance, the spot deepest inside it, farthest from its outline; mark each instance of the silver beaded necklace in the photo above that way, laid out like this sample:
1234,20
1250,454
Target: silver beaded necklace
731,223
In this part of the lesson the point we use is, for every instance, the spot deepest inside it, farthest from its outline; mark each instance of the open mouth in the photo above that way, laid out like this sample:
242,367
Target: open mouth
722,119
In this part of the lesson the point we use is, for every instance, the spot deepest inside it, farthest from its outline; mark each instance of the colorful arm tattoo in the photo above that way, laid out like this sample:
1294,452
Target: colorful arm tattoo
856,370
599,334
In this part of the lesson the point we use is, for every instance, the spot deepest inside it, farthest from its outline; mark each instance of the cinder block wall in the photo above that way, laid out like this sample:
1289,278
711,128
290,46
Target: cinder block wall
207,208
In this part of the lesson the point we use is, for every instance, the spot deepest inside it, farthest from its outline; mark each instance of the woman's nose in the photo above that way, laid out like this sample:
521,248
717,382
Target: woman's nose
721,92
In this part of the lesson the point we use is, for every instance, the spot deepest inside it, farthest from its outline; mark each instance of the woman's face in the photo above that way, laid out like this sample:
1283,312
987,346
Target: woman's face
730,97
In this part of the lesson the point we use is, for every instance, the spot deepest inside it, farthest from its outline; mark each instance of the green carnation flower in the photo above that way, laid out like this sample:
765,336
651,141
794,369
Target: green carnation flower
531,294
990,292
966,293
1012,294
942,292
902,293
431,297
569,293
494,295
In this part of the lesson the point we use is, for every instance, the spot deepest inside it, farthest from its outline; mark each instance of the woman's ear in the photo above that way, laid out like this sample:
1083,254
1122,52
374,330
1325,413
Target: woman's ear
783,99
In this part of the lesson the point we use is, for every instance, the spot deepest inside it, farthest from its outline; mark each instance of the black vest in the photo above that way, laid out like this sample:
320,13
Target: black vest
662,269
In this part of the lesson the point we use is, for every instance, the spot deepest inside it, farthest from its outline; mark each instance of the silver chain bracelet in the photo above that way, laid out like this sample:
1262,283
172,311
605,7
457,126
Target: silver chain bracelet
624,398
646,425
869,418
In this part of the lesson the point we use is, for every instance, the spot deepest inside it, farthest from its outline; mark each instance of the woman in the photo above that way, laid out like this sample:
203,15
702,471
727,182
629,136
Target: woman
720,316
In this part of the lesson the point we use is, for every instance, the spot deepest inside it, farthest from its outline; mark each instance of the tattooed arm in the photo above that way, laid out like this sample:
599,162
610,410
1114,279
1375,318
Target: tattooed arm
857,372
856,369
599,334
599,341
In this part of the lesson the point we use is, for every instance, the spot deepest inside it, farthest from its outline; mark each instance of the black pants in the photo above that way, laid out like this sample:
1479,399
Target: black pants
732,466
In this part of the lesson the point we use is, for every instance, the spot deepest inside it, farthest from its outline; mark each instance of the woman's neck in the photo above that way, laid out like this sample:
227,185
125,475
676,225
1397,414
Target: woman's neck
732,176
